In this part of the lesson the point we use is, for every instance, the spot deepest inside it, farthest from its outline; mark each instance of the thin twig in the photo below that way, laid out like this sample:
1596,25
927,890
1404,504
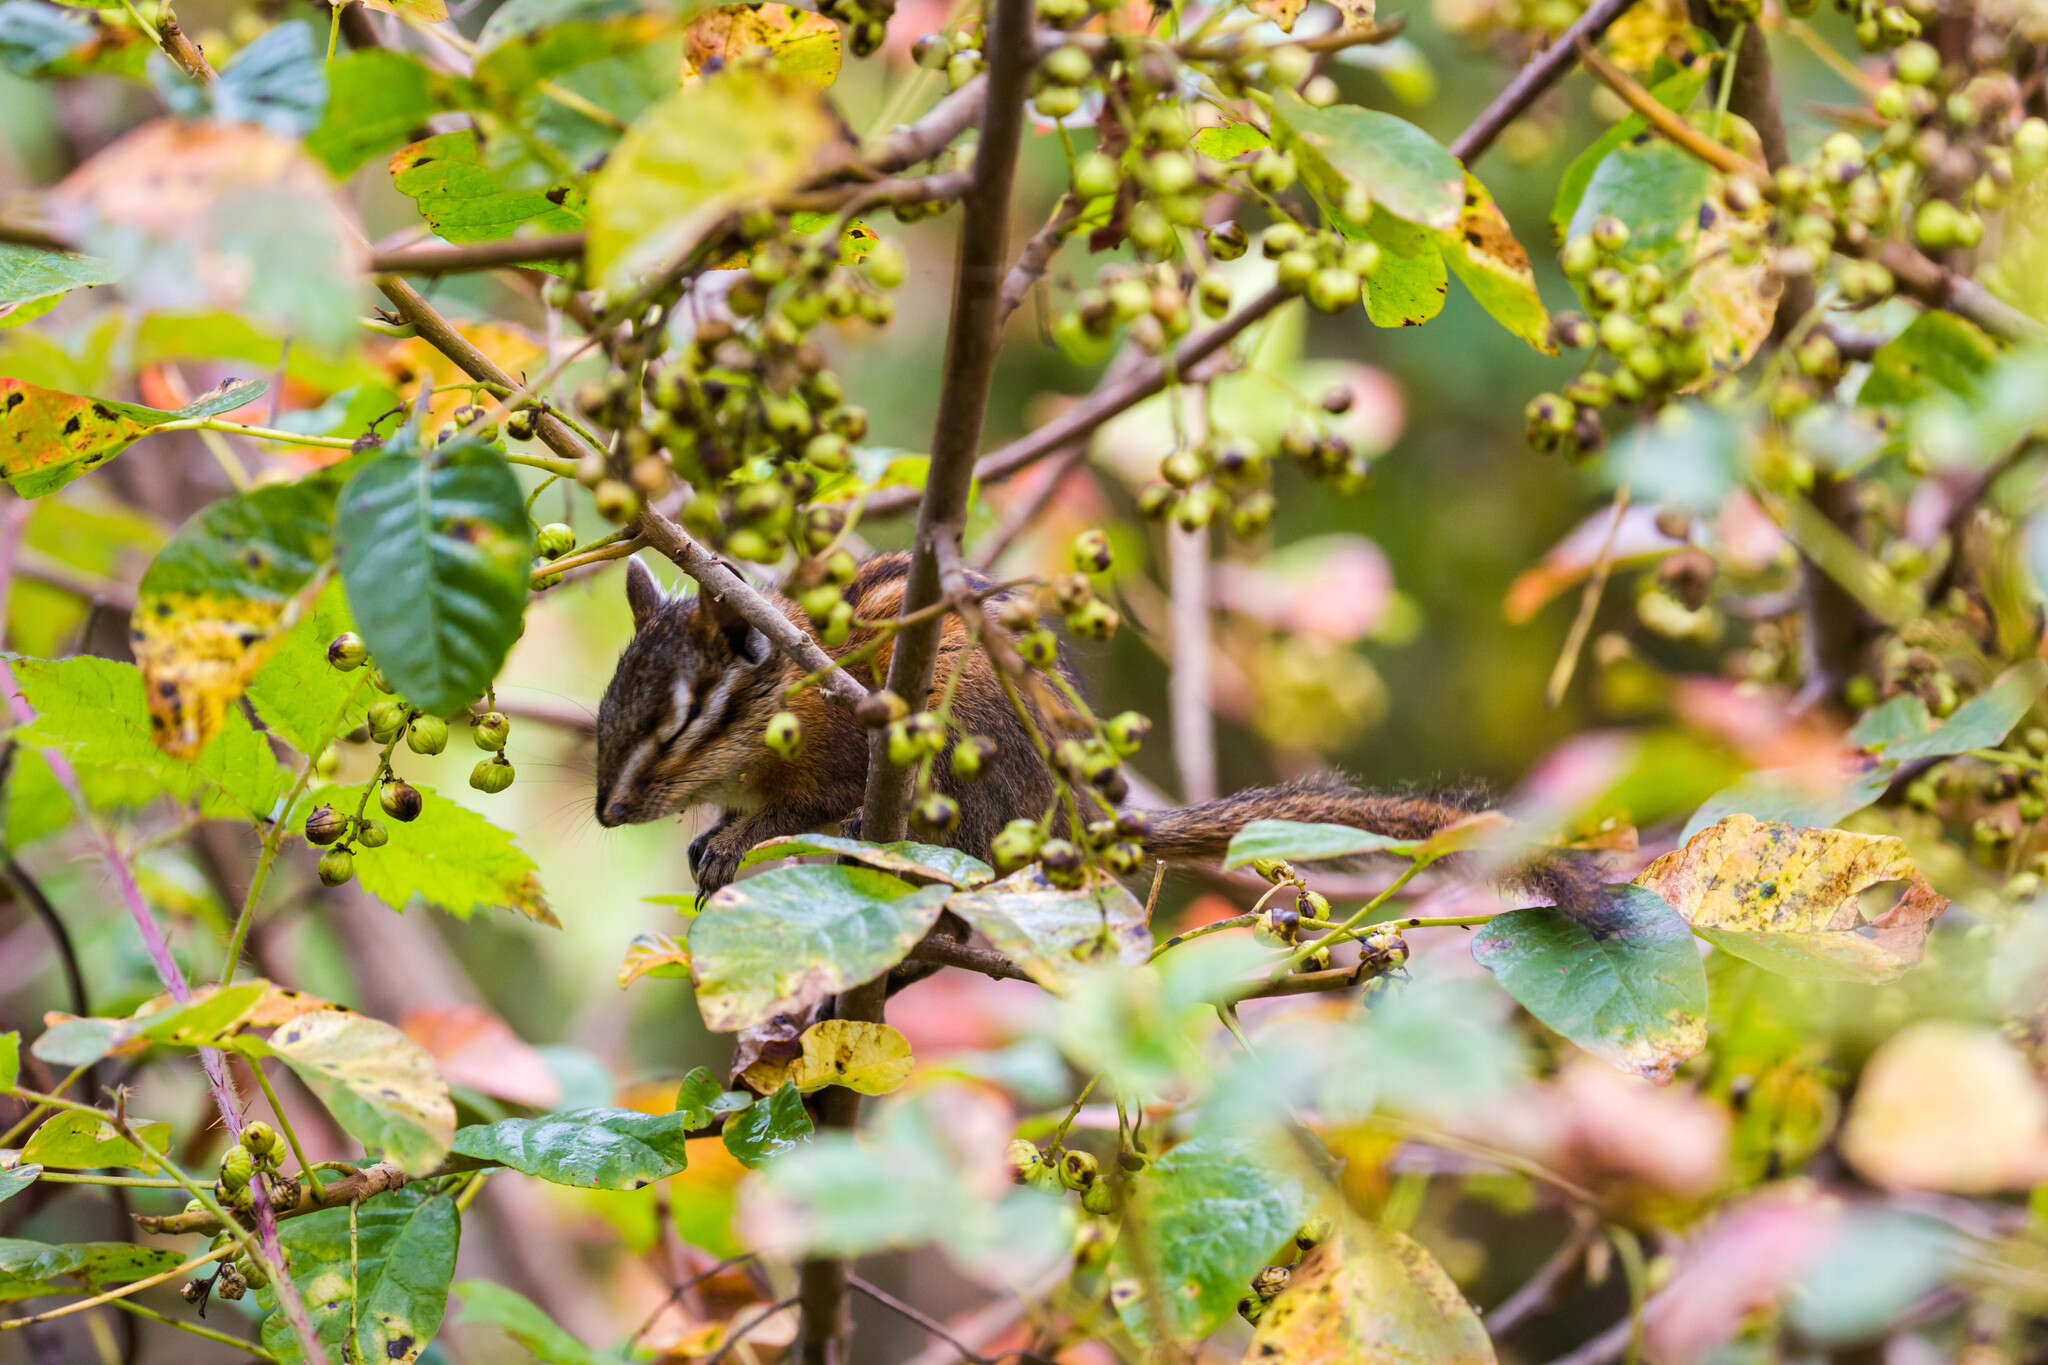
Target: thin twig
1673,128
182,49
1027,510
440,258
1544,70
1191,700
1038,252
740,1329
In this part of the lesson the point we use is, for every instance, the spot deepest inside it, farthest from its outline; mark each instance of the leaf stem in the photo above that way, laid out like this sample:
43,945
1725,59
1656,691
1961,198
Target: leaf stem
297,438
284,1121
1348,930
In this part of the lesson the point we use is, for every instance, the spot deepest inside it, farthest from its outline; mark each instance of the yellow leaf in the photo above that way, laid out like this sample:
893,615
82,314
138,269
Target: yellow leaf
653,955
1737,303
421,11
1356,16
1372,1297
1952,1107
1281,12
796,43
871,1058
1788,898
1483,251
1647,30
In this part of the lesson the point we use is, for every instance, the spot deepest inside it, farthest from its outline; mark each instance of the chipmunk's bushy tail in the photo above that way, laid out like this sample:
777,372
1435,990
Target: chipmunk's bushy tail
1202,833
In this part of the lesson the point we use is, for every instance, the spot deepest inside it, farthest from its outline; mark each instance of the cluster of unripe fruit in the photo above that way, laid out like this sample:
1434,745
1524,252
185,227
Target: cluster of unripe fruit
387,721
742,389
1652,338
1064,1170
1272,1280
1230,477
255,1158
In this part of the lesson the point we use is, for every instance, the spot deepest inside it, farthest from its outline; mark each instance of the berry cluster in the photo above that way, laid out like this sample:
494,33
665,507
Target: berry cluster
388,721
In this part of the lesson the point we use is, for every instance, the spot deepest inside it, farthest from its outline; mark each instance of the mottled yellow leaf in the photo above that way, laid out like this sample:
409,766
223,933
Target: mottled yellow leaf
1787,898
1482,250
653,955
1369,1296
1281,12
797,43
871,1058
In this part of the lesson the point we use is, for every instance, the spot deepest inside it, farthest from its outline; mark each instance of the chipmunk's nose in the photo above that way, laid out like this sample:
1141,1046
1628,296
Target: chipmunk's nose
611,811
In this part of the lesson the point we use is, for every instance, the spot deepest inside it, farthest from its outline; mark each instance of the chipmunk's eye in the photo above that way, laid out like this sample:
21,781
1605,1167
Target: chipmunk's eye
689,719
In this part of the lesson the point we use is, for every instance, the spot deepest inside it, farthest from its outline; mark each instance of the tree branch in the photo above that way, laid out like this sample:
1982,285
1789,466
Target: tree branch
1544,70
442,258
664,535
972,339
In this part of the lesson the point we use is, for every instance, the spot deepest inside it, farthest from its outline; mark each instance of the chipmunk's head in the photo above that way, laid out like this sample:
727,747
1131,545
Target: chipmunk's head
680,724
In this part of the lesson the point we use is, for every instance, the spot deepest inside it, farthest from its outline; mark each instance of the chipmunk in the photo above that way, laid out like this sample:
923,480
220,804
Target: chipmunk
682,722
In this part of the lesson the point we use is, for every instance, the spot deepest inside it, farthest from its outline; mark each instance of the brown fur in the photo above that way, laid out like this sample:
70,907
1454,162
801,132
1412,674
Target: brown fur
722,759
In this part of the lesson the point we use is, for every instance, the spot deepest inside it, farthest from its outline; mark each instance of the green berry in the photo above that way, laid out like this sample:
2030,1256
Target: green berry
260,1138
970,755
1126,732
1091,552
490,731
936,814
784,734
1078,1170
337,865
372,833
491,775
426,734
1016,844
347,651
386,720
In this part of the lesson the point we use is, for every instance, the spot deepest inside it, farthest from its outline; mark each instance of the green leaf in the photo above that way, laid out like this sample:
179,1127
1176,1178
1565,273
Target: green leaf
10,1058
781,941
1936,353
1674,92
1214,1210
1656,188
93,711
464,200
737,138
377,99
1689,456
1370,1295
450,857
1982,722
33,279
1408,172
1409,287
16,1179
32,36
278,82
381,1086
1903,717
48,438
1230,141
297,694
210,605
1295,841
1054,934
205,1020
703,1098
1622,978
655,955
72,1140
395,1289
593,1149
434,550
526,1322
1483,251
518,18
768,1127
903,857
29,1269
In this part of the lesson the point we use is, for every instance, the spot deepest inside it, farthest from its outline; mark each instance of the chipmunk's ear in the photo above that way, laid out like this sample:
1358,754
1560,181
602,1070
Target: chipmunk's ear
721,622
643,594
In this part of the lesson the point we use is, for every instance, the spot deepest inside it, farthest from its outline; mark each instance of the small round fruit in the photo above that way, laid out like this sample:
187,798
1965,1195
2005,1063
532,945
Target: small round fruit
491,775
1016,844
260,1138
400,800
347,651
324,825
426,734
936,814
784,734
1091,552
1078,1170
554,540
386,720
372,833
337,865
1126,731
1098,1198
490,731
1022,1160
971,756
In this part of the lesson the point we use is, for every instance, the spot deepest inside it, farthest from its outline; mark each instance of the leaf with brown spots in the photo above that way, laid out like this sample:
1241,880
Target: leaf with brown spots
871,1058
48,437
1788,899
214,601
378,1273
1282,12
781,941
381,1086
792,42
1055,935
1483,252
1370,1296
1356,16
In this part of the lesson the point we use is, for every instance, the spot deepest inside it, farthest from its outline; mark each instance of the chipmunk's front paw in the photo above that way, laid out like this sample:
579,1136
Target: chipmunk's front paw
715,858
